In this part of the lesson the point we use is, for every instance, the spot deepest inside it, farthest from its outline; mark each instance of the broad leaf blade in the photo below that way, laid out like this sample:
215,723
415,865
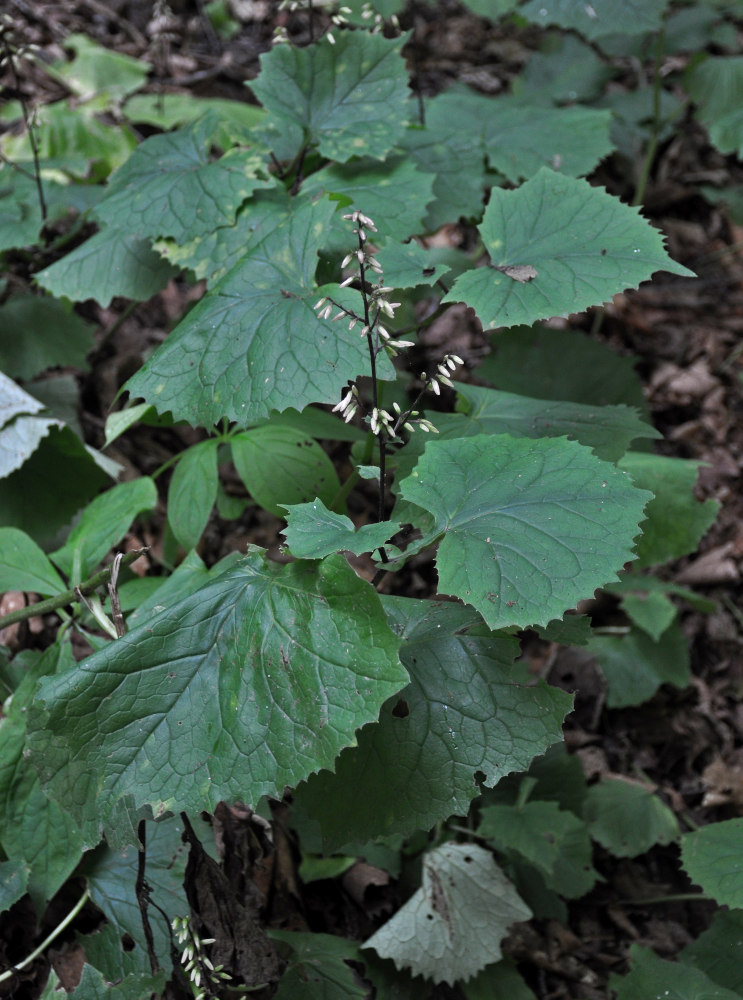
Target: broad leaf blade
459,715
349,99
628,819
652,976
529,527
23,566
169,186
250,684
711,858
584,245
453,925
635,666
313,531
192,492
252,344
41,334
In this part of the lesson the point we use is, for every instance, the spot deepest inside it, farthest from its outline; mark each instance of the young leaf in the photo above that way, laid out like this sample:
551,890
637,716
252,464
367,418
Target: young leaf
585,245
458,716
407,265
652,976
716,85
249,684
711,858
251,345
599,18
280,466
111,263
635,666
555,842
169,186
453,925
529,527
650,610
103,524
25,567
348,99
192,492
628,819
675,520
312,531
519,138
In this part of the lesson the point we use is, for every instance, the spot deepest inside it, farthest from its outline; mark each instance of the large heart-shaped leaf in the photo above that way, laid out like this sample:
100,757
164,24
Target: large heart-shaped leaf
529,527
254,344
581,245
249,684
461,713
348,98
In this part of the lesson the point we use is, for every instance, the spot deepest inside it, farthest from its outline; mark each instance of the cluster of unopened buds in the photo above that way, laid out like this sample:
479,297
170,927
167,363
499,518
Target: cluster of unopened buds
195,963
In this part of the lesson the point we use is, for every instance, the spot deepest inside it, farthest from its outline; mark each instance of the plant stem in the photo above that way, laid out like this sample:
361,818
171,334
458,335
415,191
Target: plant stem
655,133
9,55
47,941
68,596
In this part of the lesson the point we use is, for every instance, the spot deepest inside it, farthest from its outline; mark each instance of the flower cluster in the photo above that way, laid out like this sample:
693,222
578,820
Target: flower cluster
204,976
339,19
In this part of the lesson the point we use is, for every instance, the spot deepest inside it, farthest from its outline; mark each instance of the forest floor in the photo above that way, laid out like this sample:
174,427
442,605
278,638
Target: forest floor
689,355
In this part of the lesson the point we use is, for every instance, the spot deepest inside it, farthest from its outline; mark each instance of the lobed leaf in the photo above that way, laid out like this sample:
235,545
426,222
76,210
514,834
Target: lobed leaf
584,245
461,713
247,685
348,99
529,527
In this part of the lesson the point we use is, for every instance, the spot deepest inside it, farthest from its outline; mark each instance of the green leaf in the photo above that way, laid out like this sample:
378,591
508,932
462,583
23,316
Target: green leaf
168,110
455,155
554,841
718,951
280,466
529,527
171,187
394,194
212,254
121,420
112,263
407,265
461,713
608,430
500,980
676,520
313,531
40,333
348,99
712,859
251,683
111,876
716,86
26,502
564,70
650,610
93,986
193,492
20,212
599,18
654,977
453,925
561,364
635,666
94,70
520,139
20,439
317,968
252,344
102,525
609,247
15,401
13,881
628,819
25,567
